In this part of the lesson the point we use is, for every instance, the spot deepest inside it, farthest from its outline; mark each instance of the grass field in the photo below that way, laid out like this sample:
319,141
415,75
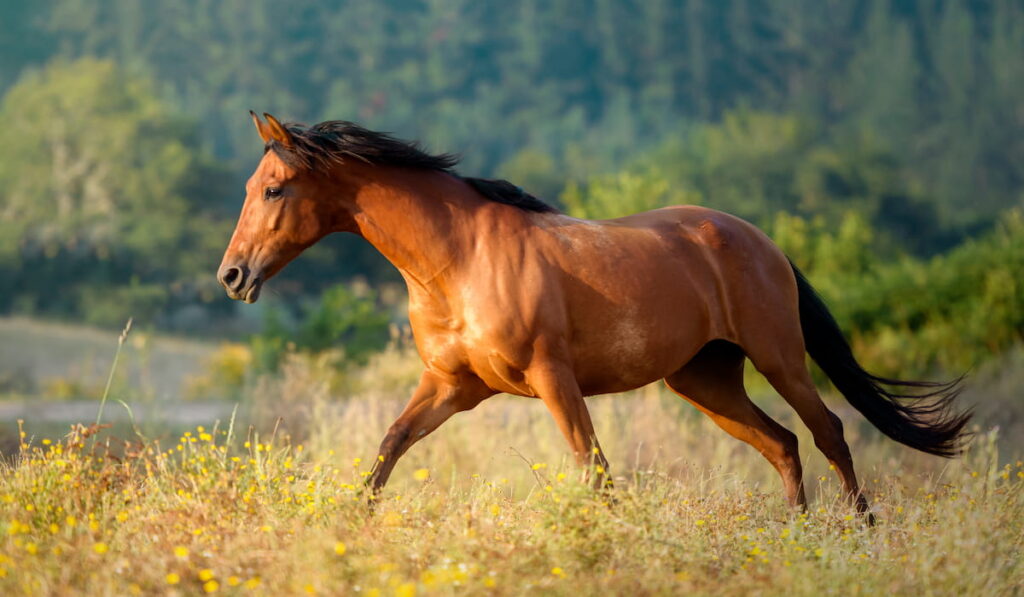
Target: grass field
489,505
59,361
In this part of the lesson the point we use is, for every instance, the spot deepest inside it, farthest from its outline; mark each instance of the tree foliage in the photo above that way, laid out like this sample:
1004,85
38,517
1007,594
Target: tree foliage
936,82
341,319
102,187
881,142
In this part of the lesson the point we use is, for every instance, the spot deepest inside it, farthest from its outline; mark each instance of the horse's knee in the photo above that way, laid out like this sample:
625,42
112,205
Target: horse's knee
396,437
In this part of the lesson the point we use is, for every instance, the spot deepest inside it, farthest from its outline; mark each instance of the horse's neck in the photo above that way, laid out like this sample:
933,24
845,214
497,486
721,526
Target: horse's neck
417,221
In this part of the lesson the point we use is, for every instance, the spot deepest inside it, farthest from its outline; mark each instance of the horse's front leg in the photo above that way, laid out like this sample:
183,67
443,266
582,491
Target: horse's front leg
555,384
432,403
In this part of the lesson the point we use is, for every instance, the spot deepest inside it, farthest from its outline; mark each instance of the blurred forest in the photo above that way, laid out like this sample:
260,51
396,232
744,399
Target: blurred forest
880,142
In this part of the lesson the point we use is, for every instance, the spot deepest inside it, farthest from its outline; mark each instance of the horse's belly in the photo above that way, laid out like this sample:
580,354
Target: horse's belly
634,351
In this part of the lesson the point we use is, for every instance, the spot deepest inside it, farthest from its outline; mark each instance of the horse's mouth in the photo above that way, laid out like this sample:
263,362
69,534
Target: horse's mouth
253,292
248,294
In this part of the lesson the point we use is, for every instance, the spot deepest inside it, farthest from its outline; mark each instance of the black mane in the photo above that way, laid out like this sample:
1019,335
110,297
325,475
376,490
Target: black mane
327,144
502,191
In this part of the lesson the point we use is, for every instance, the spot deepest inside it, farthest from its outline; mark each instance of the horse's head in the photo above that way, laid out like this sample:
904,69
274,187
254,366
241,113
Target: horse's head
285,211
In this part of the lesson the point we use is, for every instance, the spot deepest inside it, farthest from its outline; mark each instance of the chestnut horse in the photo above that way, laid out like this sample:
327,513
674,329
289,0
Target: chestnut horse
506,294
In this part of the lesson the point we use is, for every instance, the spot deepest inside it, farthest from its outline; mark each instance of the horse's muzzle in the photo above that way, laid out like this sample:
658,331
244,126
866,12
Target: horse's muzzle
239,283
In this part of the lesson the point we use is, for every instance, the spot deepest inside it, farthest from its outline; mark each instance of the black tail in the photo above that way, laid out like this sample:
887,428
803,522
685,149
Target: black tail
919,414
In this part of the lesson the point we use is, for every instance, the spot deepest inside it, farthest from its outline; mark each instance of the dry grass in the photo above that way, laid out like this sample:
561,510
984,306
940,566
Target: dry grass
489,505
55,360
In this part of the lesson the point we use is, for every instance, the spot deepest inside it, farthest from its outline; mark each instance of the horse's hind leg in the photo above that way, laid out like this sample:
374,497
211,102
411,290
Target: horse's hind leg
713,382
785,368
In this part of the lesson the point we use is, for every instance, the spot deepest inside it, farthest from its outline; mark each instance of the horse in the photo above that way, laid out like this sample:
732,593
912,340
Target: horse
509,295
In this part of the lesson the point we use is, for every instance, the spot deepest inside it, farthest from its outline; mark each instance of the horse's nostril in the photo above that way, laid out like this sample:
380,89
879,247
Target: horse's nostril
233,278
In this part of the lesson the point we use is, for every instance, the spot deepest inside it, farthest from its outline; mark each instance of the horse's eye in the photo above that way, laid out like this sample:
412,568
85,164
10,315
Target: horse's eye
272,193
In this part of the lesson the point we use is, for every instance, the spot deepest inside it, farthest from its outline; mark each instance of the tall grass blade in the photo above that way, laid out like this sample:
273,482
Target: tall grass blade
113,369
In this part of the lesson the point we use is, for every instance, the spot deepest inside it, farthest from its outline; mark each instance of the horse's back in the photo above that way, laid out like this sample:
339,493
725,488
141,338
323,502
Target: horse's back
735,265
685,243
717,244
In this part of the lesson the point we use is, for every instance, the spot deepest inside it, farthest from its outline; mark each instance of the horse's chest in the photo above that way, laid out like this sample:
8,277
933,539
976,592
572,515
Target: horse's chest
439,342
495,349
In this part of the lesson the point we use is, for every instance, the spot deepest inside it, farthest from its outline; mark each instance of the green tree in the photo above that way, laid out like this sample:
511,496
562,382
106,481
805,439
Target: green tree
344,320
625,193
101,184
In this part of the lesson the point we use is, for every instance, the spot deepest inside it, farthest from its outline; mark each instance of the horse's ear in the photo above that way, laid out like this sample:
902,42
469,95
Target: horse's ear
278,132
262,128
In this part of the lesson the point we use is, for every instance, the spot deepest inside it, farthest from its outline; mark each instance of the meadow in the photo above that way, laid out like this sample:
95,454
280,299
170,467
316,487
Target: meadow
68,362
880,143
269,501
